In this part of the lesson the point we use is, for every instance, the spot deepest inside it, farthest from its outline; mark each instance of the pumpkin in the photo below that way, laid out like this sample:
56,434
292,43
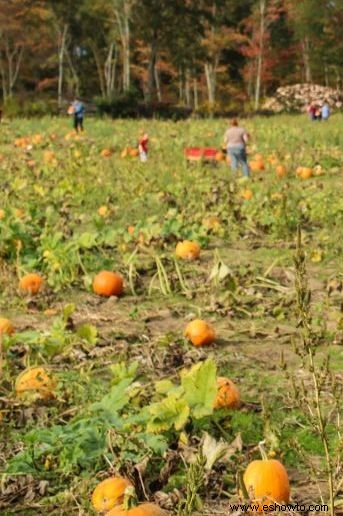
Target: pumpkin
103,211
227,394
187,250
36,139
199,332
31,283
6,326
256,165
107,283
71,110
247,194
220,156
281,171
266,482
109,492
258,157
49,156
131,229
306,173
133,153
106,153
2,214
145,509
36,381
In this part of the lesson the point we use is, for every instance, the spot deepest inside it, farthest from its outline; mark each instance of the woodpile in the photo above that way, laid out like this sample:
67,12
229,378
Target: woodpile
298,97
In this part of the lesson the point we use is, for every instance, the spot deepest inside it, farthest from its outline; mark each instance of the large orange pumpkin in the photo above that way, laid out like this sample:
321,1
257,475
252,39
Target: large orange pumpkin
187,250
109,493
31,283
227,394
6,327
145,509
256,165
108,283
266,482
35,382
199,332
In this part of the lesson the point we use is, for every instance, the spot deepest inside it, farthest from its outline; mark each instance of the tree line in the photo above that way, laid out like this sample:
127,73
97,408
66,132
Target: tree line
186,52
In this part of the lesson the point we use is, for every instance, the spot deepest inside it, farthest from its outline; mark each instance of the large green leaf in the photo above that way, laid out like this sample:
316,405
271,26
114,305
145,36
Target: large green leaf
172,411
199,384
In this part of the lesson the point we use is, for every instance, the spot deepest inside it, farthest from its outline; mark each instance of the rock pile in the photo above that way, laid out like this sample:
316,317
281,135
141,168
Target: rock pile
299,96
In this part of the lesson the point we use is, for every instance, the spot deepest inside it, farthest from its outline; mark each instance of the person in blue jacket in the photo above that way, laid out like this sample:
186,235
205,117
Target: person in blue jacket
325,111
79,111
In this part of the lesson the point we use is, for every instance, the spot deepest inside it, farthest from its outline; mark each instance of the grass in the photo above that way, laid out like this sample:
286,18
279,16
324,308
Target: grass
51,224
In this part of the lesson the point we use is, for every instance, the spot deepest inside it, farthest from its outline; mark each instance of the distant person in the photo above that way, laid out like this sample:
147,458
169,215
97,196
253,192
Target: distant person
143,146
235,140
325,111
314,111
78,110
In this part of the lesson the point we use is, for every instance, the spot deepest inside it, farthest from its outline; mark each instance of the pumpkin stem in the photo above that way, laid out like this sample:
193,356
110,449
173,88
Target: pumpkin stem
130,498
242,486
262,449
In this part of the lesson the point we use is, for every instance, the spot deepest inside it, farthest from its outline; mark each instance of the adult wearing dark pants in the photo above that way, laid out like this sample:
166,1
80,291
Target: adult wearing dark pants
79,111
235,140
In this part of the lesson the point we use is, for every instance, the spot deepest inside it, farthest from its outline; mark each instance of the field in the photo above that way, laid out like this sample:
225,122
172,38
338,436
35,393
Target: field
130,394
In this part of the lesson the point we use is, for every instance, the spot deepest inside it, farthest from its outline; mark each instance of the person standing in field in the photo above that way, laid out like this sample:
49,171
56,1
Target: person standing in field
235,140
325,111
78,110
143,146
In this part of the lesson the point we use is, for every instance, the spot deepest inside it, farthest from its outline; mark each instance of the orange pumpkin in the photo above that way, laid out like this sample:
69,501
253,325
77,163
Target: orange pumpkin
220,156
109,493
49,156
227,395
187,250
281,171
145,509
31,283
106,153
131,229
107,283
103,211
2,214
37,382
247,194
266,482
199,332
6,327
306,173
133,153
256,165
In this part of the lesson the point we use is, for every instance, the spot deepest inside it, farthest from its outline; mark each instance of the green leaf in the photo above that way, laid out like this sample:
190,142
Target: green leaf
87,240
172,411
68,311
164,386
200,386
89,333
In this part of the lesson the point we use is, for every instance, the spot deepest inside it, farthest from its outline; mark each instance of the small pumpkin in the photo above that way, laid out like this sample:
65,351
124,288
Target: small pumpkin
266,482
199,332
227,394
2,214
107,283
247,194
131,229
133,153
49,156
103,211
187,250
220,156
37,382
6,326
145,509
109,493
306,173
281,171
257,165
106,153
31,283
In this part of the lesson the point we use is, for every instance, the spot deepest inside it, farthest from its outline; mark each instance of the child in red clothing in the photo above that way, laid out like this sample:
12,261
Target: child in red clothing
143,146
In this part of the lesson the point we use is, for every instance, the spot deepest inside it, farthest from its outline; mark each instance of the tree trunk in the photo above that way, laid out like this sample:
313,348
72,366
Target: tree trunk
151,68
158,85
260,54
123,16
305,46
187,88
75,77
99,69
62,38
109,70
195,93
180,86
210,73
